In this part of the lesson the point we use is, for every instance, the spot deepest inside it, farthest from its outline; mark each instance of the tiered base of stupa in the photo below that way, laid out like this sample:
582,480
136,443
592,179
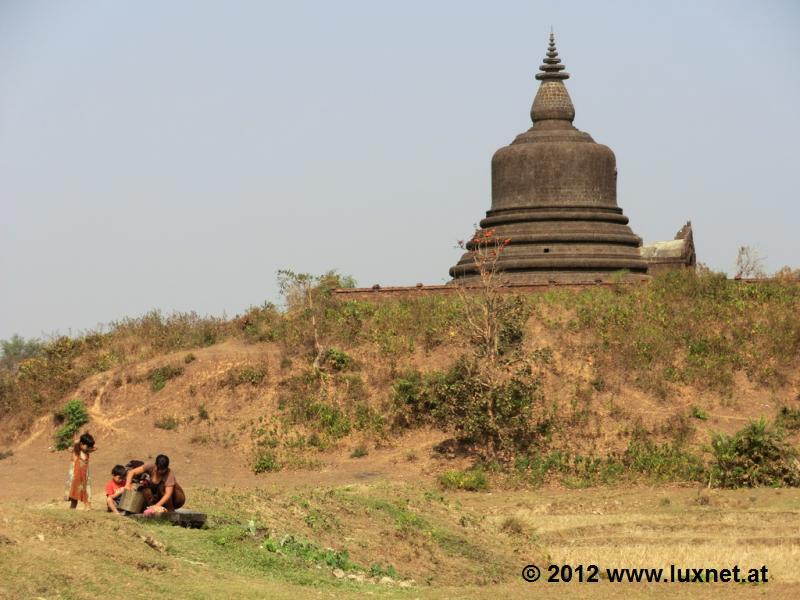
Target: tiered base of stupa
562,244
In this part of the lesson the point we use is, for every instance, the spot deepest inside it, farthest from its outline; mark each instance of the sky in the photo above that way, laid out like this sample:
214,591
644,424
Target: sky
174,155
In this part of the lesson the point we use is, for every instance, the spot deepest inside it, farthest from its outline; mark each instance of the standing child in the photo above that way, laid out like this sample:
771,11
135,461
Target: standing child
78,484
115,488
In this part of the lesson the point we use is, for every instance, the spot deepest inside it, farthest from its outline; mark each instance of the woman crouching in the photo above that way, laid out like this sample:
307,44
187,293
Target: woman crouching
162,491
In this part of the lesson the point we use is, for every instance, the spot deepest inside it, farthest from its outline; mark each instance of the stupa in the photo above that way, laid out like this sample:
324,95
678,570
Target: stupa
554,198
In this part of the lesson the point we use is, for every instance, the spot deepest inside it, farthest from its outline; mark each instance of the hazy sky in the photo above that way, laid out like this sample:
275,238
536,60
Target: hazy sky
175,154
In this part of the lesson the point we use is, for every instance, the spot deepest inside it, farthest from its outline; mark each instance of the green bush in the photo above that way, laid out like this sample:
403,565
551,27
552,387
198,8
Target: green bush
159,377
266,462
247,375
757,455
337,360
73,416
473,480
359,452
497,418
788,418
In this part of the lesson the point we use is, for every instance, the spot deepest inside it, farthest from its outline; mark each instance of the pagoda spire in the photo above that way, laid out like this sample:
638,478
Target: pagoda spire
552,101
552,67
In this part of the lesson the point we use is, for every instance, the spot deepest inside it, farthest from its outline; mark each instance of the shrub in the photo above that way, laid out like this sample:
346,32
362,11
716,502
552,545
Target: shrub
265,462
754,456
412,403
248,374
699,413
160,376
72,417
359,452
6,454
473,480
168,423
330,418
189,358
202,412
788,418
337,360
498,417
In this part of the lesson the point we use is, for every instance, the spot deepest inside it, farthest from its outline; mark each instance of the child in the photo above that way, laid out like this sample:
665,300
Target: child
78,484
115,488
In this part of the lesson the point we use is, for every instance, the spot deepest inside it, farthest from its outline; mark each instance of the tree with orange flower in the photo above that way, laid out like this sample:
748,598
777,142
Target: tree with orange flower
482,296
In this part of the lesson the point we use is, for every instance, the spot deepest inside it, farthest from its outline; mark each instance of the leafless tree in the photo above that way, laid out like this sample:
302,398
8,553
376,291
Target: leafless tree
749,263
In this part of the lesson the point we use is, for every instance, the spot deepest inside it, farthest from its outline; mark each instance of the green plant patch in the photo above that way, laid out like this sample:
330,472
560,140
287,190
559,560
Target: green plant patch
168,423
788,418
359,452
159,377
73,416
473,480
252,375
266,462
756,455
337,360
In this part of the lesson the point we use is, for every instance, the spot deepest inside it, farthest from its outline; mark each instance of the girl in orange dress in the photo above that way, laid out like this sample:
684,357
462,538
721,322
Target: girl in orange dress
78,483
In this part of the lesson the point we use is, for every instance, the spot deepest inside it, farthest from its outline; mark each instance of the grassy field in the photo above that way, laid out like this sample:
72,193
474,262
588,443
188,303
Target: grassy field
391,540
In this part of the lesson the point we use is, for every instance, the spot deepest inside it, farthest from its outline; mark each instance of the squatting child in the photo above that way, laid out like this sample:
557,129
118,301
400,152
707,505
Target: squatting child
115,488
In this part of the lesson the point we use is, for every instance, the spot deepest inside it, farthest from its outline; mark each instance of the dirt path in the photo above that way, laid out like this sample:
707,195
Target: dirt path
35,473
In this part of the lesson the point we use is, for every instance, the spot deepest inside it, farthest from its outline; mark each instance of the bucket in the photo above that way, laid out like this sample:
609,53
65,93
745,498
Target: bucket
131,501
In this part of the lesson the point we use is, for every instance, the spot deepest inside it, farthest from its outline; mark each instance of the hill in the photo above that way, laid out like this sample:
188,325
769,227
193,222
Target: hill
362,426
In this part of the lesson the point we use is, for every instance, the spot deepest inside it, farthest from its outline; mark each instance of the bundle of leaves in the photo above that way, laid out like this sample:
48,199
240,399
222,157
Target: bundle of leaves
757,455
72,417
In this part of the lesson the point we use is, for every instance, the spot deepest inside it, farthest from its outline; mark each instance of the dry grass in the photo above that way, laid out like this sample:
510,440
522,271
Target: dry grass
448,544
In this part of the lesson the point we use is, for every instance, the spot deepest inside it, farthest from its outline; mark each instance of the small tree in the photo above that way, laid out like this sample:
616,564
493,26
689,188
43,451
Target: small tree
749,263
495,407
16,349
307,295
485,306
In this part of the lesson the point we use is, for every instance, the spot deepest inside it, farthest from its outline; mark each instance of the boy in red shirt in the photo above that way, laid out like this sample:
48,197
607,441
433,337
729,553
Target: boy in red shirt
115,487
